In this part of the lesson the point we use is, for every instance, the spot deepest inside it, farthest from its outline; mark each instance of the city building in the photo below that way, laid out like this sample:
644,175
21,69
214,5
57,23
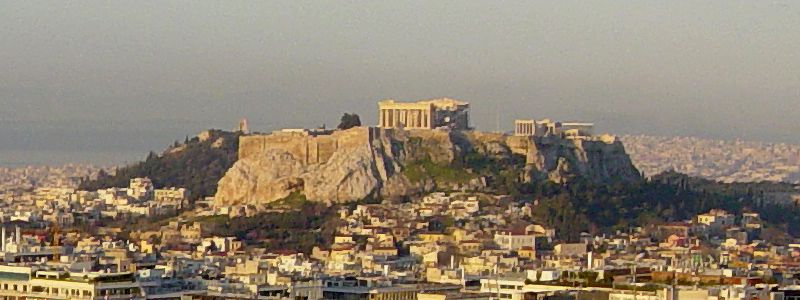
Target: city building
514,239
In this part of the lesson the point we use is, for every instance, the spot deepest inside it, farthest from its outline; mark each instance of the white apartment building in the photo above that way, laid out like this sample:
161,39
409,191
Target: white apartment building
29,283
514,239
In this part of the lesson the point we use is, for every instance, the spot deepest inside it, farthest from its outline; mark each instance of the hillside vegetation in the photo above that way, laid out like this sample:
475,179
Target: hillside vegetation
669,197
580,205
197,164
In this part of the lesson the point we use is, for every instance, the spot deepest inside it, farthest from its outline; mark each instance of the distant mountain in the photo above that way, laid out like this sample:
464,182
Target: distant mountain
197,164
719,160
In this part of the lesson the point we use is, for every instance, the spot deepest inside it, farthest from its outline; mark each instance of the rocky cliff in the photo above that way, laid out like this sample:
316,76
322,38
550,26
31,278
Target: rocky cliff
362,162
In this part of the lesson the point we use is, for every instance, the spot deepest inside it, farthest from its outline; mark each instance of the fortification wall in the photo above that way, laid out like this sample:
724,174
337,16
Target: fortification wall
308,149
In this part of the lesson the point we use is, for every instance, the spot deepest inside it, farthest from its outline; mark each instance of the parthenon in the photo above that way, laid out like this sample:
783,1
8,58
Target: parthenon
426,114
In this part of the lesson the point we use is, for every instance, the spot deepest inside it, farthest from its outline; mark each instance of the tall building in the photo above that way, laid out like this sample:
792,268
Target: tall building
425,114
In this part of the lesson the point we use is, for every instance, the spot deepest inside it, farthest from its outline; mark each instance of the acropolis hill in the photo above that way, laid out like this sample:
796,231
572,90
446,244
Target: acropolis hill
392,161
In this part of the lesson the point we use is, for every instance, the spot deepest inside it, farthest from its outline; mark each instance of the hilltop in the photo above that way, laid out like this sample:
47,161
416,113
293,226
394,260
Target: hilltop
196,164
574,185
361,163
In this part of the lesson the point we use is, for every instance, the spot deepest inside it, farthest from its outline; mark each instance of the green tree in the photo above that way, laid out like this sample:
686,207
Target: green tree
348,121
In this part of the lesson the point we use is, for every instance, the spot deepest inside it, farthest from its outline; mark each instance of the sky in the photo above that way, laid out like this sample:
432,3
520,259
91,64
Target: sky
107,81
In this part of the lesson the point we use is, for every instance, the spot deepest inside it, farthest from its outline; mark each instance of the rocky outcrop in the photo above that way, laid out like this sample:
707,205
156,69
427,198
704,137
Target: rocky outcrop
562,160
338,167
357,163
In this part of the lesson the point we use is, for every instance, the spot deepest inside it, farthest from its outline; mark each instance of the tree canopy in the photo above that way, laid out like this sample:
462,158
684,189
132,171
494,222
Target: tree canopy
196,165
349,120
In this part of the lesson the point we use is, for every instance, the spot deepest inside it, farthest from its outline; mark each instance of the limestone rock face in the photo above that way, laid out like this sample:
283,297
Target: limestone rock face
271,176
347,176
344,166
357,163
561,160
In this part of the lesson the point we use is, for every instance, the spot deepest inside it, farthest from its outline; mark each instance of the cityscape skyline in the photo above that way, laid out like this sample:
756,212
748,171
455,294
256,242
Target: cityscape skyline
414,150
628,68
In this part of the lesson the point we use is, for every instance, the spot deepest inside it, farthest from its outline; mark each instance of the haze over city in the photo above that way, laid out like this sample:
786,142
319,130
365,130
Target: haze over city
107,82
414,150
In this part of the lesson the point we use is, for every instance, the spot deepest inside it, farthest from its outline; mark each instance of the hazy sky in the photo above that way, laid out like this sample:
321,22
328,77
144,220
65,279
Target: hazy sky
720,69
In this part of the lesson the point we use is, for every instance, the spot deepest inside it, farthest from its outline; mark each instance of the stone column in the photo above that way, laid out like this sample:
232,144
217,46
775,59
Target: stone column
429,118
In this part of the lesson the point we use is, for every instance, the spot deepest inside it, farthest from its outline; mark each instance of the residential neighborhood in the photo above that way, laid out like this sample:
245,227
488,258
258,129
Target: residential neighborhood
460,245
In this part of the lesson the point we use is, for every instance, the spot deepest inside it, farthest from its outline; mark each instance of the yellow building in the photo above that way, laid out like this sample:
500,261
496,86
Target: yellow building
431,237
